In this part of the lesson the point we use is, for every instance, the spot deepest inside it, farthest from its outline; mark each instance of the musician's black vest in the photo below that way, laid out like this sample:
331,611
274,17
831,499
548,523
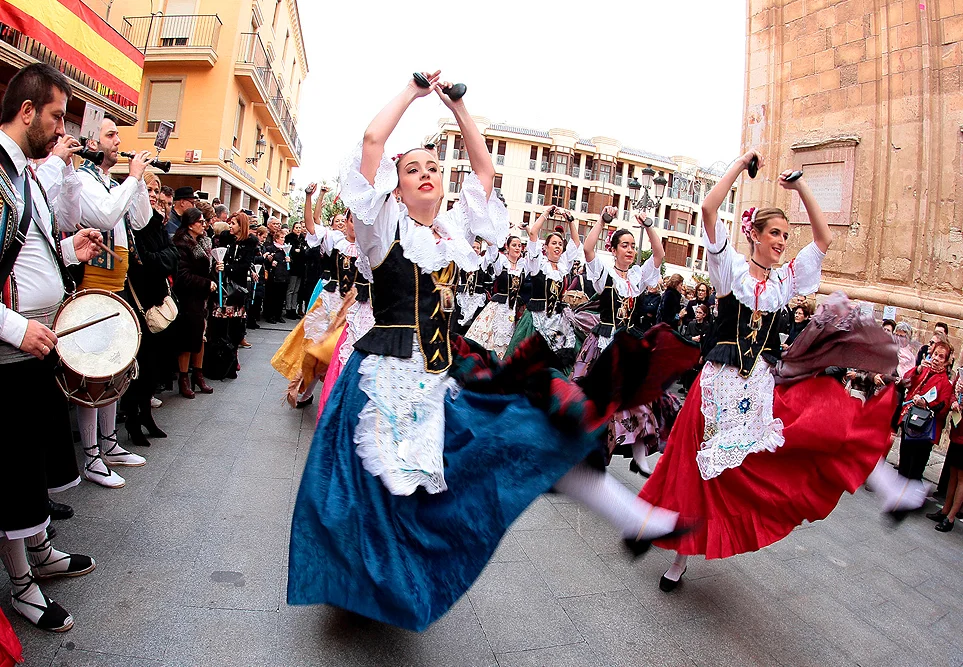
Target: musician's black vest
406,302
736,343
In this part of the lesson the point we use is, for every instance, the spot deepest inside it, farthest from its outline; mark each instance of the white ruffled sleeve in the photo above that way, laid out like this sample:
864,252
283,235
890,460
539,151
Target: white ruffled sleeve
477,215
645,276
571,253
533,256
804,271
720,257
373,206
489,257
596,273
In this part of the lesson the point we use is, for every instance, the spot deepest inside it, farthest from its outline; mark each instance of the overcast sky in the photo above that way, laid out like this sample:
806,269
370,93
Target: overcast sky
661,76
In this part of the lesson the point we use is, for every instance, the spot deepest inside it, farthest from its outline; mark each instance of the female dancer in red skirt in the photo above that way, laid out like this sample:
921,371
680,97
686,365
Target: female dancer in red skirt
747,459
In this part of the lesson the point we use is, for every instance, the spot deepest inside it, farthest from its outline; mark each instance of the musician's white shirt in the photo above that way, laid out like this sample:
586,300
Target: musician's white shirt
104,210
38,278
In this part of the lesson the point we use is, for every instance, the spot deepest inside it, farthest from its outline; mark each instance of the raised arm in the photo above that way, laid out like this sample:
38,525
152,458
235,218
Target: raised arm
573,229
719,192
478,155
536,227
308,211
822,236
387,119
658,252
592,240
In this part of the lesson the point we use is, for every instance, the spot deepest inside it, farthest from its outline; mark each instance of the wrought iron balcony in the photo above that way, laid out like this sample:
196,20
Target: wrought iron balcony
178,37
254,65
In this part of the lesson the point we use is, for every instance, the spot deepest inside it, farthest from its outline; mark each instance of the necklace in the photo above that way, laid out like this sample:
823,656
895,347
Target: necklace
767,269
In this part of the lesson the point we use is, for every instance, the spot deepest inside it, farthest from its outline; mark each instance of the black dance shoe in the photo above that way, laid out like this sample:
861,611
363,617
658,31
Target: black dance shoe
945,525
134,435
937,516
640,546
666,585
59,511
308,401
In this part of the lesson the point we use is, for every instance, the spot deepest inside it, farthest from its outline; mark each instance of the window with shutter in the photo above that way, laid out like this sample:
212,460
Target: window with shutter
163,103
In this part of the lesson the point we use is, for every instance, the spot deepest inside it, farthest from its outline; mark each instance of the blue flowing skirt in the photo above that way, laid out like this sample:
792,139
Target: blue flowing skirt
318,288
405,560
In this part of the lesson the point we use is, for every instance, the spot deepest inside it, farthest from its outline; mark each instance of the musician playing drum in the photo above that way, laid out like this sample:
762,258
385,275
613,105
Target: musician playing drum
117,209
37,447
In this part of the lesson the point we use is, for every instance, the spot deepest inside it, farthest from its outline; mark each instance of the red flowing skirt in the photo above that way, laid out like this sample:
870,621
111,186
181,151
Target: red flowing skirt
832,443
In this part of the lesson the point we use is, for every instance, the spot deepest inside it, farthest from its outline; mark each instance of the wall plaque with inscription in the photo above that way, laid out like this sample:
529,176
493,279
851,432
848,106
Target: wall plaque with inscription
829,169
826,182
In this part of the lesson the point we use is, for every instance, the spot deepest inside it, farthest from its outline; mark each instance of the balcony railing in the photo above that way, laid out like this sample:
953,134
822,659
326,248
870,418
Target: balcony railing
125,108
528,197
176,34
461,154
253,54
545,167
454,187
727,206
625,215
574,172
541,200
571,204
588,175
584,207
532,164
499,160
618,179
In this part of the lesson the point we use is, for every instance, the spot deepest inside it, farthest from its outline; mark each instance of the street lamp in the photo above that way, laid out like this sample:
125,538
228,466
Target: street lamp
641,201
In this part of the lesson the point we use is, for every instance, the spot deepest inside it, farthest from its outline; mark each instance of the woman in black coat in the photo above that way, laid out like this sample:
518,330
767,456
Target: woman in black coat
195,282
671,307
243,252
147,280
275,261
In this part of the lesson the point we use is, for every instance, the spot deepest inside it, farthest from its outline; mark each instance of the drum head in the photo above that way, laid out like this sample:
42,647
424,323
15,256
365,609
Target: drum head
103,349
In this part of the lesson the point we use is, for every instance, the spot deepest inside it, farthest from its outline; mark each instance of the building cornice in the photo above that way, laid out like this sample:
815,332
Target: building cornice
295,18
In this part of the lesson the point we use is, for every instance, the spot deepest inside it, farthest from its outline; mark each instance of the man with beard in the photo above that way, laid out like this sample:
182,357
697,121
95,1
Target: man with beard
37,450
117,210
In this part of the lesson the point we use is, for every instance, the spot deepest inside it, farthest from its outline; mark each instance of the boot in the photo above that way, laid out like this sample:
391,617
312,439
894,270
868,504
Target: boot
197,381
134,435
153,431
184,381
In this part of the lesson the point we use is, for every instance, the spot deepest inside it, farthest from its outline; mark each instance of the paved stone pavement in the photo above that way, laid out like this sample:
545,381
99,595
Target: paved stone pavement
192,558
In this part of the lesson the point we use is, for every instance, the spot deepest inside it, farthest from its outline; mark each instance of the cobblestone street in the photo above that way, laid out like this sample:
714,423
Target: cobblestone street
192,556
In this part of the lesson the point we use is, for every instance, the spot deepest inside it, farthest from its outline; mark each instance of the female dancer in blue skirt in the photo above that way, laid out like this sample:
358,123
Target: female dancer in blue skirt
428,449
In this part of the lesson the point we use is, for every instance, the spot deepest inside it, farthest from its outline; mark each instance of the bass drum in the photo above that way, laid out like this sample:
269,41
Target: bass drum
97,363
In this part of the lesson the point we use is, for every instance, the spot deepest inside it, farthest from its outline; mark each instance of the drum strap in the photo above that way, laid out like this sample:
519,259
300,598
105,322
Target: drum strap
16,245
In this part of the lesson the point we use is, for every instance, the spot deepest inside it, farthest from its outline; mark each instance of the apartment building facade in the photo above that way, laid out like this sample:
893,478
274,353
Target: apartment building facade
537,169
228,75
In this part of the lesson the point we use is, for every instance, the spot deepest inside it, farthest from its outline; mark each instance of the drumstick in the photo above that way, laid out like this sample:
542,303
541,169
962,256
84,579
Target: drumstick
70,330
102,246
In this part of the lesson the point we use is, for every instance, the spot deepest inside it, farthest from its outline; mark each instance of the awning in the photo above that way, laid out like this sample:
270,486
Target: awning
80,37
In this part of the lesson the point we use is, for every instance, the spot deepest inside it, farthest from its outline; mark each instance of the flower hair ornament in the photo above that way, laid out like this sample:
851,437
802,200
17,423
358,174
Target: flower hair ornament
608,240
748,218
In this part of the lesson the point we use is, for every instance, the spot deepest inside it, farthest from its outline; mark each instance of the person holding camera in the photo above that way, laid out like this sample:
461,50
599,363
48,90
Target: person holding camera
33,282
117,210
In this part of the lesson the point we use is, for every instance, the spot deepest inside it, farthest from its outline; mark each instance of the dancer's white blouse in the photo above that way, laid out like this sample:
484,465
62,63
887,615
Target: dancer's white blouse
637,281
738,411
401,430
536,261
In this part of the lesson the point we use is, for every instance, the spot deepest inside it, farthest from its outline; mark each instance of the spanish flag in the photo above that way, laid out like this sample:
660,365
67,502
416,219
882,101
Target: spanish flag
77,34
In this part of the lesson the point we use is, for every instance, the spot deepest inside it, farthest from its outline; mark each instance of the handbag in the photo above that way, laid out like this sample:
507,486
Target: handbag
157,317
919,424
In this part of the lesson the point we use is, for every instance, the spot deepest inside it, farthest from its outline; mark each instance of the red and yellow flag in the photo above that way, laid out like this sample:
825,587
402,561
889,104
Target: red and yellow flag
77,34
